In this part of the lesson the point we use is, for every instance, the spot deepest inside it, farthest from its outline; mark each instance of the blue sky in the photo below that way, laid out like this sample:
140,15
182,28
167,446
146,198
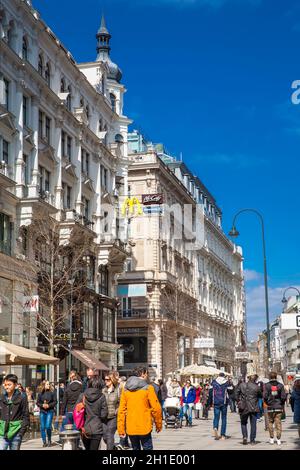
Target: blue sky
212,79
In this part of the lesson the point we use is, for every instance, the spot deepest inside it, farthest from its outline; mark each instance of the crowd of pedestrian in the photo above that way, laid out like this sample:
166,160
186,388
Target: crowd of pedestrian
99,407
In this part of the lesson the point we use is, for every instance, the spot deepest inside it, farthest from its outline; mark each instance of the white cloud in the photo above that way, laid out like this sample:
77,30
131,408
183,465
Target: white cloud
256,310
251,275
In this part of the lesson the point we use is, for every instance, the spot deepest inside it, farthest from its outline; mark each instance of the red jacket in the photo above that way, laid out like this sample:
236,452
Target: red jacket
198,394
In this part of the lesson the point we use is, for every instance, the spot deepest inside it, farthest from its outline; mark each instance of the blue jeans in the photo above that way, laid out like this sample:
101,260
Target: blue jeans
220,411
261,409
46,424
244,422
68,419
141,441
11,444
188,412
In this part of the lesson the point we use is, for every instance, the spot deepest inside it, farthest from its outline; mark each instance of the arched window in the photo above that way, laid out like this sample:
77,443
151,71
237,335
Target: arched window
48,73
87,110
69,98
81,103
24,49
41,65
113,101
62,85
119,139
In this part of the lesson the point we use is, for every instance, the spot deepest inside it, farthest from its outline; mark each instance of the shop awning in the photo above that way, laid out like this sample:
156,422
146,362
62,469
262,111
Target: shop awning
12,355
88,360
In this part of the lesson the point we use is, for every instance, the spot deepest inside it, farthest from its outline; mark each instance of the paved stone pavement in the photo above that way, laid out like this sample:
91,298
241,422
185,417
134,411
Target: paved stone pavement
199,437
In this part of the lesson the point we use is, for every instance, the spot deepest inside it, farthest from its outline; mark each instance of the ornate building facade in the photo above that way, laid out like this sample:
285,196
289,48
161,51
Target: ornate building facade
63,154
176,291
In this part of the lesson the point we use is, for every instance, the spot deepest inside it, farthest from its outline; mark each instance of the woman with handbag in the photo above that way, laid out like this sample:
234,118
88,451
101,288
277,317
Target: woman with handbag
96,412
247,395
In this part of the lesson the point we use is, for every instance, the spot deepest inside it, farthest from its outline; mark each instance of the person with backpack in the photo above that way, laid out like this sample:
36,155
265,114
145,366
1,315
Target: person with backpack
90,412
111,391
247,396
218,398
46,402
274,396
231,396
71,394
14,414
188,399
295,403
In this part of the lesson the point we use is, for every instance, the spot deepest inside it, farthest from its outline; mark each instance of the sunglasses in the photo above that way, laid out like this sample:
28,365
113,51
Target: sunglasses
107,380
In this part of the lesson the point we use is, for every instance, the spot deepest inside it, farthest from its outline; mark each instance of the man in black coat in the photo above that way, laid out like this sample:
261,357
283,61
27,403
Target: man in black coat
72,392
247,396
14,414
274,397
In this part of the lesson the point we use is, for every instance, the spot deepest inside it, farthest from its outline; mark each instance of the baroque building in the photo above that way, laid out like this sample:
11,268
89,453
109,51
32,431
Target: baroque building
63,155
177,289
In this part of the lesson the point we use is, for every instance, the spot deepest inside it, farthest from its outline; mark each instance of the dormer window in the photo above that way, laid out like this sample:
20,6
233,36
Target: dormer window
62,85
48,73
41,65
69,98
24,49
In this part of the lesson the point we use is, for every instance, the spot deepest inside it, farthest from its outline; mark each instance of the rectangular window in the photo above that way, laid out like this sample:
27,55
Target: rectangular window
103,177
41,120
41,173
25,111
26,178
87,163
6,93
69,147
82,160
68,197
5,234
5,151
47,180
63,143
48,129
87,209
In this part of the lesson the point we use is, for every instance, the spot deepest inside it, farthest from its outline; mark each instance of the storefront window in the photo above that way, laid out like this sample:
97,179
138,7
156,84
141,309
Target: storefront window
135,349
6,297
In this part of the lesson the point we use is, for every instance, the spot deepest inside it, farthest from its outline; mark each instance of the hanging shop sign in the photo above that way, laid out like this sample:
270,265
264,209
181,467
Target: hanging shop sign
149,199
290,321
205,343
31,304
242,355
131,206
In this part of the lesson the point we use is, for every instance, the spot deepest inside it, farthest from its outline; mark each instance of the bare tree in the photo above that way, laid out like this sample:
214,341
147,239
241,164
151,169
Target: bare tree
60,271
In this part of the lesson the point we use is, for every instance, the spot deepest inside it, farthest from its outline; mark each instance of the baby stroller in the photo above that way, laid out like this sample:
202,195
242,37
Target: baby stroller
172,413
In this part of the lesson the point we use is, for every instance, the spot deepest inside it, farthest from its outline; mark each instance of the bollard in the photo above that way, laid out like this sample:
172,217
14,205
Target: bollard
69,438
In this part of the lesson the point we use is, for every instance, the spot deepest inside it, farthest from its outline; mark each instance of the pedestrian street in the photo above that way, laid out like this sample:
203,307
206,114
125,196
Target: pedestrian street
200,437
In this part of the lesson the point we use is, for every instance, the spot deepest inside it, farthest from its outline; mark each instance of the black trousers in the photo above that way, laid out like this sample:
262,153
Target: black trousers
244,422
92,443
109,429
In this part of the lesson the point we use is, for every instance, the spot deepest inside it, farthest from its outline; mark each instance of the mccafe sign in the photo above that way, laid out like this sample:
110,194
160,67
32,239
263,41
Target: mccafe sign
148,199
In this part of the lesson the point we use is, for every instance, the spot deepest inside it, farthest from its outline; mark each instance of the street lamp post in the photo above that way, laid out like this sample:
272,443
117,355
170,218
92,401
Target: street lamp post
234,233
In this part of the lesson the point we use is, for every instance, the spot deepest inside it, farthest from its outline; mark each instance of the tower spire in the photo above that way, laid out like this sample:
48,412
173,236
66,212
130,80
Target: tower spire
103,38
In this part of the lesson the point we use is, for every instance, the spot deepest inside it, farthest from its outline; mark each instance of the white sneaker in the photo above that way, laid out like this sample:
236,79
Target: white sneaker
271,440
278,442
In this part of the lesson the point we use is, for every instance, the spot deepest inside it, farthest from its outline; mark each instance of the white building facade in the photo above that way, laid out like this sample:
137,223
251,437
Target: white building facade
63,153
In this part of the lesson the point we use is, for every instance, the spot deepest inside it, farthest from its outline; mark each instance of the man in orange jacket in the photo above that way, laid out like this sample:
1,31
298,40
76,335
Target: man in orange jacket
138,408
